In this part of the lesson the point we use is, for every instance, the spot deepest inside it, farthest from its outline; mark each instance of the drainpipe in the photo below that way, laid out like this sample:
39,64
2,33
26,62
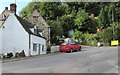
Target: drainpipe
29,45
49,35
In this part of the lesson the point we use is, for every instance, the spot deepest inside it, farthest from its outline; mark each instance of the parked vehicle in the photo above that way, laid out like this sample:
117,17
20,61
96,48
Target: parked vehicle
119,44
69,47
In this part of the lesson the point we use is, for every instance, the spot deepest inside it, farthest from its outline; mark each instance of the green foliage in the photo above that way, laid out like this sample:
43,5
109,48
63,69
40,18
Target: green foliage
99,36
85,23
56,28
117,32
67,22
80,18
27,11
107,35
106,12
89,39
51,10
77,34
48,48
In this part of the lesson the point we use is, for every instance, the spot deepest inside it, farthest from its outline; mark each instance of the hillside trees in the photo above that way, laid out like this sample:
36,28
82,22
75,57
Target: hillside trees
79,16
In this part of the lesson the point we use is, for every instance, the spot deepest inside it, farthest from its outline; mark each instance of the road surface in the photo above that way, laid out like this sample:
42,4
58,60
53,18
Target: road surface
89,60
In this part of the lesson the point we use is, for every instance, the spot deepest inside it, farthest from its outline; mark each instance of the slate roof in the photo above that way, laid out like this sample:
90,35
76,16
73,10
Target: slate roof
26,25
1,17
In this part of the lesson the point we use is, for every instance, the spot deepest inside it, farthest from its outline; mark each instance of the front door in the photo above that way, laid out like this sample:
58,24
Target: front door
39,49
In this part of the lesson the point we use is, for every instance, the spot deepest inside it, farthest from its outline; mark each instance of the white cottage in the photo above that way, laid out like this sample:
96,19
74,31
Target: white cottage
16,34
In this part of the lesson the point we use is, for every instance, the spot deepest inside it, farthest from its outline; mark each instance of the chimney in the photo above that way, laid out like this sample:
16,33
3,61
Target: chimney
6,8
13,8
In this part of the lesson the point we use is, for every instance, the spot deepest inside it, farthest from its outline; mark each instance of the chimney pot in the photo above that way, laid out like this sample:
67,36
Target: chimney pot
6,8
13,8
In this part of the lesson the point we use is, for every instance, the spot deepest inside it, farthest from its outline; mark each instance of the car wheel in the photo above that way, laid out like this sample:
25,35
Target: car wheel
80,49
71,50
60,51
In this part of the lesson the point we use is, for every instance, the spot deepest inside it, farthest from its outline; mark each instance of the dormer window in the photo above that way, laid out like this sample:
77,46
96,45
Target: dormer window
35,19
35,31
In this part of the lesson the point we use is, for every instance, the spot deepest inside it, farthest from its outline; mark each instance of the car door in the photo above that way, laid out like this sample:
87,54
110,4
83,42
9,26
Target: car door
72,45
76,46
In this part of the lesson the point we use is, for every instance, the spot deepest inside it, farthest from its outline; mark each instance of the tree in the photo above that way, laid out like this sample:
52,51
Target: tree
56,29
27,10
78,34
80,18
105,16
67,22
117,33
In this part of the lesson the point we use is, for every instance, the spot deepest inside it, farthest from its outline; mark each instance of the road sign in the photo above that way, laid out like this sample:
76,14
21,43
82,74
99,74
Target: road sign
116,42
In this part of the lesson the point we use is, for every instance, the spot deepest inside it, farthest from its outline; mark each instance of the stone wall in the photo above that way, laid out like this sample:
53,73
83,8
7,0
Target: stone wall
54,49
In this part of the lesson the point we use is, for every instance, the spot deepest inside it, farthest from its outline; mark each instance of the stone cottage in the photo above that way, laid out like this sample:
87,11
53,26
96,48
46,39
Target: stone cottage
36,19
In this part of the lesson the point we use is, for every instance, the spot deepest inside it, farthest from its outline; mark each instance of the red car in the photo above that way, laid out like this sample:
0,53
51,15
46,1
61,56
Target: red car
69,47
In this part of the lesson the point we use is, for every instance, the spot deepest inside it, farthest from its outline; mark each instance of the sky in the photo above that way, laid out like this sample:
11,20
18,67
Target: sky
20,4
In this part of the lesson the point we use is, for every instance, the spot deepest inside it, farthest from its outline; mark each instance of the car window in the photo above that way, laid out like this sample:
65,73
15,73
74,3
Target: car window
73,44
64,44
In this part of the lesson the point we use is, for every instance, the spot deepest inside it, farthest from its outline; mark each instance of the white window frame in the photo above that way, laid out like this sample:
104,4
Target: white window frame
34,47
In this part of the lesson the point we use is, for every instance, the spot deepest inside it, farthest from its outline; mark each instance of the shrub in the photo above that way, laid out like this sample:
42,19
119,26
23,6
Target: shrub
106,36
90,39
48,48
117,33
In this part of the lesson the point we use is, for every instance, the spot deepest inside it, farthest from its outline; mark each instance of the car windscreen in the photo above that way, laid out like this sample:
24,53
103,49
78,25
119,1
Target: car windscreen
64,44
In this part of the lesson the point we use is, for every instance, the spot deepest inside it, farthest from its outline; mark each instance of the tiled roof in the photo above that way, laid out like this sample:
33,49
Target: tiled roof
26,25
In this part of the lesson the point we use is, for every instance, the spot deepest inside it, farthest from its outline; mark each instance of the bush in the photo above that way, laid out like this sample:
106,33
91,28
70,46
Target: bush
48,48
106,36
89,39
117,33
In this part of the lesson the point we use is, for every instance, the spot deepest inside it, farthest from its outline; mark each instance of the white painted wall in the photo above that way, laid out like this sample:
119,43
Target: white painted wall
15,38
32,29
37,40
0,40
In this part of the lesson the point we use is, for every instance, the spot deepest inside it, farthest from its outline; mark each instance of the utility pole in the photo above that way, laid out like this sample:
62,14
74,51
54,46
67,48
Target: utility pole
15,1
57,18
113,21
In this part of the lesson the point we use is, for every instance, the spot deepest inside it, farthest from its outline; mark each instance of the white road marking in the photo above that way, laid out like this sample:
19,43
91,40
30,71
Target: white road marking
95,55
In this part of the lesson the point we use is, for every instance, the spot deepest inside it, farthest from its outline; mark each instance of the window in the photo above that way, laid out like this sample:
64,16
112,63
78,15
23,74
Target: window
73,44
34,47
39,48
35,18
64,43
35,31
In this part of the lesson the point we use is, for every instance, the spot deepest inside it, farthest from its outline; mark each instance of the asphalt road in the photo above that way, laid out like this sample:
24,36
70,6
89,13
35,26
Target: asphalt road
89,60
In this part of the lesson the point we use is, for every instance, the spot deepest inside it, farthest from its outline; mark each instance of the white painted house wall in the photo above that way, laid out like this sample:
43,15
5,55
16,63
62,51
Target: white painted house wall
32,29
0,40
15,38
37,40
